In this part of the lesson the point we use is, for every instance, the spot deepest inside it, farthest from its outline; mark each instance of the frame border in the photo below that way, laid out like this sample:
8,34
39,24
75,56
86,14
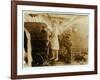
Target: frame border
14,39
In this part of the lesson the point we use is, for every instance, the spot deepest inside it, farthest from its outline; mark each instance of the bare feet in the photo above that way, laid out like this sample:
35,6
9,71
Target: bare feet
56,59
52,58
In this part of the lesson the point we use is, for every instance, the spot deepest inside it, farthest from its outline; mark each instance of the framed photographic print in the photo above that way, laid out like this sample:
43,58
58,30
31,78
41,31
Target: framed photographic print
53,39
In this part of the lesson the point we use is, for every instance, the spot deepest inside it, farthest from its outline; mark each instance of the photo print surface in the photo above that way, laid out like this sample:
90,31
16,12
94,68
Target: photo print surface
54,39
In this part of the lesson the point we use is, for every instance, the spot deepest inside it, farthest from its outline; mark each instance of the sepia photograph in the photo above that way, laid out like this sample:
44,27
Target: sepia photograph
53,39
